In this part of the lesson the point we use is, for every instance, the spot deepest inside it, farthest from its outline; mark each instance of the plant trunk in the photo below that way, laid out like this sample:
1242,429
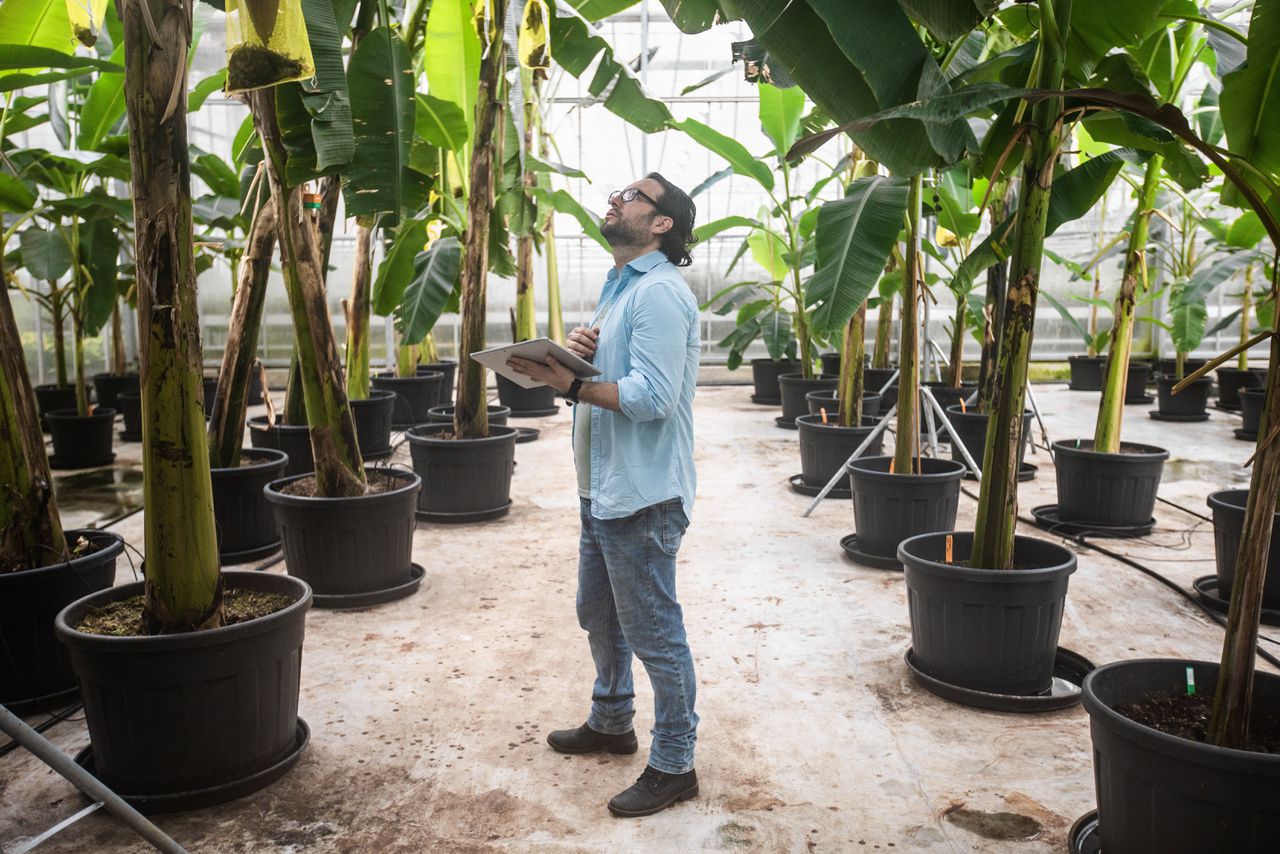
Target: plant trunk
406,360
358,315
851,376
119,362
82,381
1246,302
471,415
555,317
330,192
997,285
884,330
226,423
30,530
908,430
997,514
58,314
183,585
1106,435
295,404
339,469
1229,723
955,371
526,320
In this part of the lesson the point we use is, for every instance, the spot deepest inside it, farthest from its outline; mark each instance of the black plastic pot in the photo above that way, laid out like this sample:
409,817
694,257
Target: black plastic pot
246,526
414,396
987,630
81,441
825,448
293,439
210,392
1169,367
526,402
1161,793
51,398
1228,507
35,672
108,386
1232,380
130,403
971,428
794,387
448,369
764,375
825,398
948,396
1135,389
1086,372
372,416
1189,402
463,480
1251,402
873,379
211,714
1115,490
890,507
831,362
353,551
444,414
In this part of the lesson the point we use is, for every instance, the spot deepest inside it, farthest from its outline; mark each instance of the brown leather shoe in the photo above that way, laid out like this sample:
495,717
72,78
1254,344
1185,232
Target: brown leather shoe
586,740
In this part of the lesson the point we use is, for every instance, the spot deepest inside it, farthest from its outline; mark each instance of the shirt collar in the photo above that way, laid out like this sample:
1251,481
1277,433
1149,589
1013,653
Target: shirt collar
642,264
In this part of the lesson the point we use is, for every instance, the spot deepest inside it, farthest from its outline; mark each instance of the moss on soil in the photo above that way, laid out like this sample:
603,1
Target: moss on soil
124,618
252,66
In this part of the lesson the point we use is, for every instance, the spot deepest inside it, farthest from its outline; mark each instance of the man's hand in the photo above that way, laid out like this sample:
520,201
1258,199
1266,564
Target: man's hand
551,372
582,342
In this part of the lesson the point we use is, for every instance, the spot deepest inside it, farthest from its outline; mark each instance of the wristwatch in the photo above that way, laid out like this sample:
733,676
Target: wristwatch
572,394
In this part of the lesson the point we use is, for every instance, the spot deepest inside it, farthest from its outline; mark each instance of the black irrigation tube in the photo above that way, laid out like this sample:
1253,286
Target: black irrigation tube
1080,540
57,718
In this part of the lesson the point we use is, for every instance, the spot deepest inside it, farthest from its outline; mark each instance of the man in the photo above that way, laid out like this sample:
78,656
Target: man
633,446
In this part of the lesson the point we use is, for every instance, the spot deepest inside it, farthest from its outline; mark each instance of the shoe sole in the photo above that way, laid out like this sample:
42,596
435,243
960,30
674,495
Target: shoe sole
686,795
620,749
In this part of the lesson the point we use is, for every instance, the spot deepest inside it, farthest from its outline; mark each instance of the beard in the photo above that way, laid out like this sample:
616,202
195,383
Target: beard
621,233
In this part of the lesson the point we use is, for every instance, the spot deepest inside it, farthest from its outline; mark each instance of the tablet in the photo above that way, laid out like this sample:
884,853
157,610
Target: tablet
535,350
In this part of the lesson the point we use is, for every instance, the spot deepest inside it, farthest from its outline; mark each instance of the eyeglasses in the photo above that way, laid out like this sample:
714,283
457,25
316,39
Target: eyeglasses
631,193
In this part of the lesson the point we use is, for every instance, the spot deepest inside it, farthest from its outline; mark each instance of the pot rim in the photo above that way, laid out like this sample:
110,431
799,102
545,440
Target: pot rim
812,422
99,413
429,376
762,359
274,456
112,549
505,434
797,377
376,395
259,422
139,643
1165,379
957,472
966,414
493,409
1252,392
825,393
1081,357
1145,453
274,495
1228,758
108,375
1028,575
1218,501
1225,369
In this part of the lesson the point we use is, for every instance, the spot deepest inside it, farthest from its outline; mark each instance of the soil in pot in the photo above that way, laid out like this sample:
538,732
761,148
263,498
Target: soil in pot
35,671
1231,381
293,439
1115,490
246,526
1191,401
81,441
108,386
124,618
793,388
764,376
414,396
1228,506
1086,372
1188,717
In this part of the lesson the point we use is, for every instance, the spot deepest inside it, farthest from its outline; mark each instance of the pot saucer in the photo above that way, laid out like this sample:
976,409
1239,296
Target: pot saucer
1176,416
469,516
766,401
849,543
63,463
798,485
533,413
1207,590
1245,435
785,423
374,597
526,434
1046,516
1026,472
1069,670
1084,836
219,794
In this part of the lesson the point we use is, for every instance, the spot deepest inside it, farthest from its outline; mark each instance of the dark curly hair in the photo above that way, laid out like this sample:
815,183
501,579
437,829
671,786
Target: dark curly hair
676,204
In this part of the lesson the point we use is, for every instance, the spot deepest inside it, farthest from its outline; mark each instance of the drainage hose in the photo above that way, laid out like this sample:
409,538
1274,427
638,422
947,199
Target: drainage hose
54,720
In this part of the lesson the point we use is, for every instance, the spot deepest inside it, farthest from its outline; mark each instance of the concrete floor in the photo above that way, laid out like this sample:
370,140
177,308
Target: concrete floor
429,715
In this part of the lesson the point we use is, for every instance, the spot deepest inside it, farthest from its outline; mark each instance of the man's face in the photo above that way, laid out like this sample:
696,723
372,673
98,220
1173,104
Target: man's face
637,222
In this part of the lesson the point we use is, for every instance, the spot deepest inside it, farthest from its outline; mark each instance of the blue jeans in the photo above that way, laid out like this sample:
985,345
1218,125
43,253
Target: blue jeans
627,604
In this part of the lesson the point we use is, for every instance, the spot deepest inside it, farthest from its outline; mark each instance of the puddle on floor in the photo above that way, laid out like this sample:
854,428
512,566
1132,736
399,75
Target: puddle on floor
1226,474
996,825
98,497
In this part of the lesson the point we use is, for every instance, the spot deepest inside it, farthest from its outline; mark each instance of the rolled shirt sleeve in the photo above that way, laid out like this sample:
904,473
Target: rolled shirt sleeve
659,340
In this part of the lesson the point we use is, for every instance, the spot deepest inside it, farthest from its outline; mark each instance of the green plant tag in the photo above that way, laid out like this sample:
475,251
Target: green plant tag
1191,682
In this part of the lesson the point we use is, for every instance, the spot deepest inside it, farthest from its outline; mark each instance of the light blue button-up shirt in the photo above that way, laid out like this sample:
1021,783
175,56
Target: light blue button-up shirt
649,345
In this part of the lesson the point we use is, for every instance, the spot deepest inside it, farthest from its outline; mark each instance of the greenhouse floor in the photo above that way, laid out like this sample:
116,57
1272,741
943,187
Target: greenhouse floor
429,715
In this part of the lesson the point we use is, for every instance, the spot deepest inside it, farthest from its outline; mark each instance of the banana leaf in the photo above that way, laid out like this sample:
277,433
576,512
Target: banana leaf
379,180
435,276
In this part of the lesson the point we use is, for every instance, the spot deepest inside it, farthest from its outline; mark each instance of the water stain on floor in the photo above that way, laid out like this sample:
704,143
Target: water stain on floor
996,825
98,497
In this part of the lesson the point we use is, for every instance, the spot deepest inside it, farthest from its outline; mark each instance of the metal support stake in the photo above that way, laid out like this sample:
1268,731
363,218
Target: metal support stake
955,440
50,755
1044,432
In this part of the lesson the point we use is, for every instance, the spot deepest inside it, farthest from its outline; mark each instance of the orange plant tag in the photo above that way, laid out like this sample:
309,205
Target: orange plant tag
950,542
823,410
891,462
963,408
